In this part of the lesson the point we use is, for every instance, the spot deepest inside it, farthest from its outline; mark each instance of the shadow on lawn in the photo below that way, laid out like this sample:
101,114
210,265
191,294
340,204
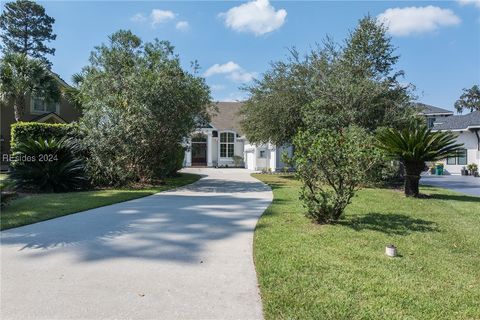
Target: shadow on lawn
393,224
455,197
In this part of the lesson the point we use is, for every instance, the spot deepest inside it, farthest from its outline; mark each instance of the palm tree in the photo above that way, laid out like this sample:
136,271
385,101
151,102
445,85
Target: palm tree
415,145
21,76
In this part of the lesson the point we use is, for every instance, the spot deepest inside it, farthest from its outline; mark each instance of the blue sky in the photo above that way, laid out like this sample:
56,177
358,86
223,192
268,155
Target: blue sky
439,42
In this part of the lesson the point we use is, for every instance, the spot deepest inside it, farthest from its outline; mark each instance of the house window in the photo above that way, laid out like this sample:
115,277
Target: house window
39,105
227,144
430,122
262,154
460,158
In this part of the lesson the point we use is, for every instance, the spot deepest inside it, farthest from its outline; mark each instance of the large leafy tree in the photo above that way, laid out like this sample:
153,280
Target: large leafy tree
273,112
20,77
469,100
333,86
413,146
361,86
138,107
26,28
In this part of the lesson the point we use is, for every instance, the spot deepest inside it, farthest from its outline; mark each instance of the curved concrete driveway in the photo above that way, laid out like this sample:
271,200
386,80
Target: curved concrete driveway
182,254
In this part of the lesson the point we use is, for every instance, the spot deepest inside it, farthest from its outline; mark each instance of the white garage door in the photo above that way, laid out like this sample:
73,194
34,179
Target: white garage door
251,160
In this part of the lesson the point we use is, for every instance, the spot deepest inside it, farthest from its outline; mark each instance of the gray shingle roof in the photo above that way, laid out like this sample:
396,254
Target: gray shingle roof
227,117
427,109
458,122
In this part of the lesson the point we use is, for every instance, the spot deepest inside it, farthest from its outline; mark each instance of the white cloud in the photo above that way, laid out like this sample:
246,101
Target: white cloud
161,16
228,67
242,76
416,20
182,25
158,16
468,2
139,17
232,71
256,16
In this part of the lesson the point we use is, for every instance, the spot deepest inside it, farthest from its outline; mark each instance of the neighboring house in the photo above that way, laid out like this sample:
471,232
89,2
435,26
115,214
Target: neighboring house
36,110
222,141
467,129
431,113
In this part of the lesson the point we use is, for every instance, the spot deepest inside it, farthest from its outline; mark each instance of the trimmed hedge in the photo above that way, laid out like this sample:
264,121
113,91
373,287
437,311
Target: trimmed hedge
23,131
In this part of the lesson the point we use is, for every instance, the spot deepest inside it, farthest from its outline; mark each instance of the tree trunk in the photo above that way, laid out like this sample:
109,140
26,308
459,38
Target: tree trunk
18,109
412,178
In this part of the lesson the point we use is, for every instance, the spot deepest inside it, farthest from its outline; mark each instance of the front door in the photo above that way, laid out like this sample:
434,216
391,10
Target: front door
199,154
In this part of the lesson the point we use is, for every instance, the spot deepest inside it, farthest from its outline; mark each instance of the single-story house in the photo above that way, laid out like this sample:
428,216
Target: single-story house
222,143
35,110
467,129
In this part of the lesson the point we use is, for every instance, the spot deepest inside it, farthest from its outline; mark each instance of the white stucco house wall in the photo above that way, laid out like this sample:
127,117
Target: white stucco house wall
467,129
222,143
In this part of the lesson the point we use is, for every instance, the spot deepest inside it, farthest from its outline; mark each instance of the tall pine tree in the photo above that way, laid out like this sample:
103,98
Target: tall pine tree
25,27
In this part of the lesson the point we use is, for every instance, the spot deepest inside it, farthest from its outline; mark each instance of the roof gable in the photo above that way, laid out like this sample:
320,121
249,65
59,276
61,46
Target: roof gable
426,109
228,116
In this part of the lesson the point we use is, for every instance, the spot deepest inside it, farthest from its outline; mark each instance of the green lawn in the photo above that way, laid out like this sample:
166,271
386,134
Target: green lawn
307,271
34,208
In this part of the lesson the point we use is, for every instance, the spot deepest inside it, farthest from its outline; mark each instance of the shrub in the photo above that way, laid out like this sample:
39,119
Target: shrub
237,160
287,161
331,166
138,106
6,194
174,160
46,165
22,131
472,167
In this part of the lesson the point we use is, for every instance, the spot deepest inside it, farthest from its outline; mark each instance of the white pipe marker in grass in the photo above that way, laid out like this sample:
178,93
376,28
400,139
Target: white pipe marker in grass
391,250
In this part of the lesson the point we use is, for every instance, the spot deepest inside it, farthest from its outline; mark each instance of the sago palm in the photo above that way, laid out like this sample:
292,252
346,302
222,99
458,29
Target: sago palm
415,145
21,76
46,165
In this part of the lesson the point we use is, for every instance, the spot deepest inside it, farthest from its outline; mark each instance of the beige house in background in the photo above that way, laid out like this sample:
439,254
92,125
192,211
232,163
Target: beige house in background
35,110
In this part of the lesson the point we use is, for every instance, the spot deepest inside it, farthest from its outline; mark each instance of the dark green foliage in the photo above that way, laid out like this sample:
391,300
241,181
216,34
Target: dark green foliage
25,29
469,100
333,86
6,191
360,85
415,145
272,113
138,106
20,77
46,165
331,166
173,161
23,131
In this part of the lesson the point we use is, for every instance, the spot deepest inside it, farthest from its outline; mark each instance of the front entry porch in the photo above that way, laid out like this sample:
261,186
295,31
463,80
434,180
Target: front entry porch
199,154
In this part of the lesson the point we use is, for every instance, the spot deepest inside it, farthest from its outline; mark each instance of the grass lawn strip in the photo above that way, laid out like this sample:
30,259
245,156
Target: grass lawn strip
29,209
340,271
